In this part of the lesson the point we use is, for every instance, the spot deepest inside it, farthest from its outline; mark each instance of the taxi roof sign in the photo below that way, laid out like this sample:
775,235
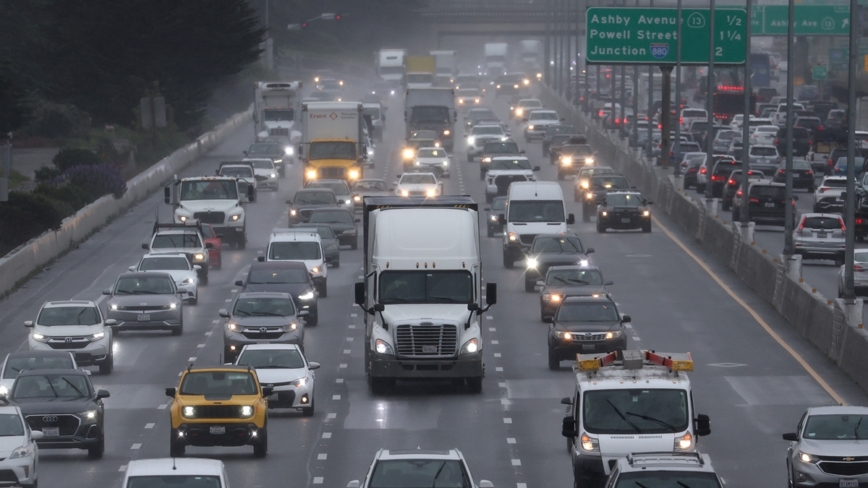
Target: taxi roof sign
635,360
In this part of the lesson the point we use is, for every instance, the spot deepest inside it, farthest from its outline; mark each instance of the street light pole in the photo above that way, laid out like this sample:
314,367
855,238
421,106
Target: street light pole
709,105
788,194
677,144
850,200
745,132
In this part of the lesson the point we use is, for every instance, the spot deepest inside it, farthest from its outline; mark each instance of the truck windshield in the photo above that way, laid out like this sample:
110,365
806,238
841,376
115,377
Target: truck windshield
433,115
283,115
536,211
667,478
332,150
294,251
630,411
209,190
174,481
425,287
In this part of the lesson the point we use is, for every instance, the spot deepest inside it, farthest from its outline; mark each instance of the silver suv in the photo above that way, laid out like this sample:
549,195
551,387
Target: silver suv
76,326
664,469
146,301
828,448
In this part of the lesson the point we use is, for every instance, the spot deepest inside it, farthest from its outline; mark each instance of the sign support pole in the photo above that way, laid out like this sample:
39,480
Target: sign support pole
745,132
665,113
850,200
677,143
709,105
788,198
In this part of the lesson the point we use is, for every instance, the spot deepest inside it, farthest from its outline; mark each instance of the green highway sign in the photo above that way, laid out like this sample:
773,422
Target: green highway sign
810,20
650,35
819,72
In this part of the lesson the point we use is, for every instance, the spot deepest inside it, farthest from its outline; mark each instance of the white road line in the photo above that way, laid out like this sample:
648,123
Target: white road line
207,334
215,321
507,420
502,384
331,416
234,290
350,339
510,440
228,300
352,326
193,359
149,425
336,397
322,457
497,354
326,435
489,317
318,480
137,445
339,380
636,338
343,365
354,315
163,406
100,299
201,345
498,369
495,341
347,351
122,468
521,485
492,329
516,462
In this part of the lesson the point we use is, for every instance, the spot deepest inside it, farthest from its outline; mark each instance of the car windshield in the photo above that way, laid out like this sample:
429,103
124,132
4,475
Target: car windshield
11,425
265,149
277,276
557,244
499,203
510,164
331,217
17,365
623,200
324,231
822,223
501,148
834,183
338,187
423,134
560,129
294,251
172,241
332,150
370,185
315,197
763,151
174,481
271,358
236,171
487,130
208,232
262,163
588,172
263,307
588,312
72,315
432,115
631,411
50,386
144,285
536,211
482,114
837,427
209,190
425,287
175,263
694,113
543,116
419,473
431,152
609,182
570,277
417,179
218,383
667,479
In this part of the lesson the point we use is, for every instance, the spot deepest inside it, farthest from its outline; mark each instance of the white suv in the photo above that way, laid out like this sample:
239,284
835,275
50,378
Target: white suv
300,245
419,467
77,326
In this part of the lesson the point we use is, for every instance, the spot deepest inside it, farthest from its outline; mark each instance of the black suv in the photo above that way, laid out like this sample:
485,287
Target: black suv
624,210
552,131
549,250
496,148
766,203
720,174
801,141
598,187
585,324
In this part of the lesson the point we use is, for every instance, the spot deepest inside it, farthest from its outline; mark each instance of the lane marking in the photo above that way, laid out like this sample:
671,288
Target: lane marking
507,421
521,485
502,384
352,326
318,480
336,397
326,435
350,339
215,321
322,457
122,468
510,440
516,462
495,342
201,345
492,329
339,380
499,369
163,406
343,365
331,416
193,359
149,425
137,445
774,335
346,351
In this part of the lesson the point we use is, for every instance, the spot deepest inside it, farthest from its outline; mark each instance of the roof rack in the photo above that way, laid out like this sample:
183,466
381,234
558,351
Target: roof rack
691,457
188,224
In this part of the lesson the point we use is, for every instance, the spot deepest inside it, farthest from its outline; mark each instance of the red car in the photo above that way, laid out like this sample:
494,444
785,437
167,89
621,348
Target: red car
215,258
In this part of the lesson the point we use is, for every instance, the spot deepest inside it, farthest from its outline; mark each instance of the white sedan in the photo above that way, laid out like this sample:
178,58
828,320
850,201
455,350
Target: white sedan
432,158
185,275
284,368
418,185
265,173
764,135
18,451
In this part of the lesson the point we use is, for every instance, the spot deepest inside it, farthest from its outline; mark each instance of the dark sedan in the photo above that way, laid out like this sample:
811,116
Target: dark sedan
64,405
342,223
567,281
624,210
498,206
733,183
549,250
307,200
284,277
585,325
803,175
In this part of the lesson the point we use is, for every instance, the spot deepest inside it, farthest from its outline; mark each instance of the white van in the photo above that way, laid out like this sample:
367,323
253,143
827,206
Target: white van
532,207
300,245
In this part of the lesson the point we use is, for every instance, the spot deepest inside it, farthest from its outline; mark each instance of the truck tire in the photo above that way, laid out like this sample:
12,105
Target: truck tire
380,386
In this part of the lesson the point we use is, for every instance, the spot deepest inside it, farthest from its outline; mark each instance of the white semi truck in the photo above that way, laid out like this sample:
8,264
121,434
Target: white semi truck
215,200
274,107
422,294
332,143
390,64
495,57
531,53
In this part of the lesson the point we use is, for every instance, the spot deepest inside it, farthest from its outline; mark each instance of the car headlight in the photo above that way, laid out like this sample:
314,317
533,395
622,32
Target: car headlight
408,153
188,281
614,335
446,132
235,218
113,306
562,334
807,458
87,414
357,198
306,296
354,174
646,213
292,326
314,270
383,347
588,443
532,263
486,160
589,196
512,237
566,161
583,263
21,452
530,127
188,412
198,257
39,337
273,175
289,151
475,100
300,382
97,336
498,86
173,305
293,212
519,111
182,218
232,326
605,213
460,101
493,218
311,174
405,193
526,81
471,140
585,184
515,86
589,161
445,163
417,163
4,390
470,347
551,297
683,443
431,193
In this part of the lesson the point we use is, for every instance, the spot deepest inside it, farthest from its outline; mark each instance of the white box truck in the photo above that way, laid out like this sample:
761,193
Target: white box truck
390,64
332,143
432,109
446,63
422,294
274,107
531,54
495,57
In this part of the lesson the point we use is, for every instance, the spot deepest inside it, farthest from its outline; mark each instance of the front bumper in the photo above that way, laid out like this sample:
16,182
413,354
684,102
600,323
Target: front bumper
565,350
238,340
588,470
91,355
199,434
145,320
232,233
634,221
290,396
809,475
462,366
20,471
348,239
85,435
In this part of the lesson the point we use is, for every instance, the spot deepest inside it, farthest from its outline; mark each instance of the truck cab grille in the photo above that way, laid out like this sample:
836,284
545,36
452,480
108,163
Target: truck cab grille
427,340
210,217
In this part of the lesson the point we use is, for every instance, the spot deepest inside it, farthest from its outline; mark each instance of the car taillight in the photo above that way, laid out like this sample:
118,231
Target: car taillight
823,189
809,172
702,170
859,221
819,127
731,182
856,267
716,178
780,171
754,200
601,113
810,142
739,193
777,141
681,120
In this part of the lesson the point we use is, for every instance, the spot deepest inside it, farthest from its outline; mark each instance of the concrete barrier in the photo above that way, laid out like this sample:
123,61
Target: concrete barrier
20,263
832,326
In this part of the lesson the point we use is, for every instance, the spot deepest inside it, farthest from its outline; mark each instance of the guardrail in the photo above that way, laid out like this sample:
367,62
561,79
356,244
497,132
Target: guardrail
833,326
21,262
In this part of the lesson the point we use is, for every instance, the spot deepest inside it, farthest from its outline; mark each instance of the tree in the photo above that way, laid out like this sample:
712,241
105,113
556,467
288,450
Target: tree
13,109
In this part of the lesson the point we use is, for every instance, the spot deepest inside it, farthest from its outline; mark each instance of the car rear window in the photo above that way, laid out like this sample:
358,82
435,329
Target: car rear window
826,223
768,191
763,151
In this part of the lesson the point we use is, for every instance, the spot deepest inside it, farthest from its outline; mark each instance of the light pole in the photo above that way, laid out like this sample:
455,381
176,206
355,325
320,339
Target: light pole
788,198
709,105
745,130
677,143
850,200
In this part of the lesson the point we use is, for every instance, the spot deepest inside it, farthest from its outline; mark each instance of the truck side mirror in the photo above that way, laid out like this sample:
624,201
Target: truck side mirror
568,428
360,294
167,195
491,293
250,194
703,425
571,219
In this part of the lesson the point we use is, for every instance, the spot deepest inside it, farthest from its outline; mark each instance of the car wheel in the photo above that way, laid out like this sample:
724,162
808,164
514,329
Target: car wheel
469,158
108,365
529,286
586,213
380,386
308,411
35,484
323,290
242,243
508,263
489,198
260,449
176,331
490,232
475,384
194,301
839,261
482,175
219,262
96,451
554,363
311,320
336,264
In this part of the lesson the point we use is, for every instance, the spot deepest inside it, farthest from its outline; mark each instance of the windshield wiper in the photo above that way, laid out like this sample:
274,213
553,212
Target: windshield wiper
582,282
80,394
240,312
447,299
856,429
622,416
439,470
267,314
685,485
652,419
145,292
52,389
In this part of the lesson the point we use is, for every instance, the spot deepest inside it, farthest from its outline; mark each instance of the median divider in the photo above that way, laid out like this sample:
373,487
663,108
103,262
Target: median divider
834,327
33,255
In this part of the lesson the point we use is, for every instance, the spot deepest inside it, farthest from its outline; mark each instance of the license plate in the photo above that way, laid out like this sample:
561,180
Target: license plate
217,430
272,397
770,204
588,347
848,483
822,234
144,317
625,220
429,349
51,431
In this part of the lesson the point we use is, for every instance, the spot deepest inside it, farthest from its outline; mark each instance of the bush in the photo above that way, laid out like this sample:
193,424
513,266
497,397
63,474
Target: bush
73,196
97,180
46,174
25,216
55,120
70,157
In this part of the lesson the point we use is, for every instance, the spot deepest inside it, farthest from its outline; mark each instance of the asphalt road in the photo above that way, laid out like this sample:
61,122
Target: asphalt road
750,386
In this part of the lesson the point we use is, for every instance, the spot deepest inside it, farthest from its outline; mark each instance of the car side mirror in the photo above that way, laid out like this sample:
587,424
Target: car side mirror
146,247
100,394
791,436
36,435
261,259
223,313
571,219
359,296
28,323
485,484
589,250
566,401
131,268
491,293
626,319
521,151
267,390
312,365
703,425
548,319
171,392
111,322
536,168
107,291
245,153
289,202
568,427
239,283
357,220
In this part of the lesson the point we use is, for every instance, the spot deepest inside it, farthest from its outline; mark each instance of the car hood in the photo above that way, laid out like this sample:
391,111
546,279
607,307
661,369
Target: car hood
509,172
426,312
417,186
577,290
294,289
279,375
31,406
541,123
309,206
141,300
588,326
263,321
432,160
374,194
842,448
176,250
67,330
